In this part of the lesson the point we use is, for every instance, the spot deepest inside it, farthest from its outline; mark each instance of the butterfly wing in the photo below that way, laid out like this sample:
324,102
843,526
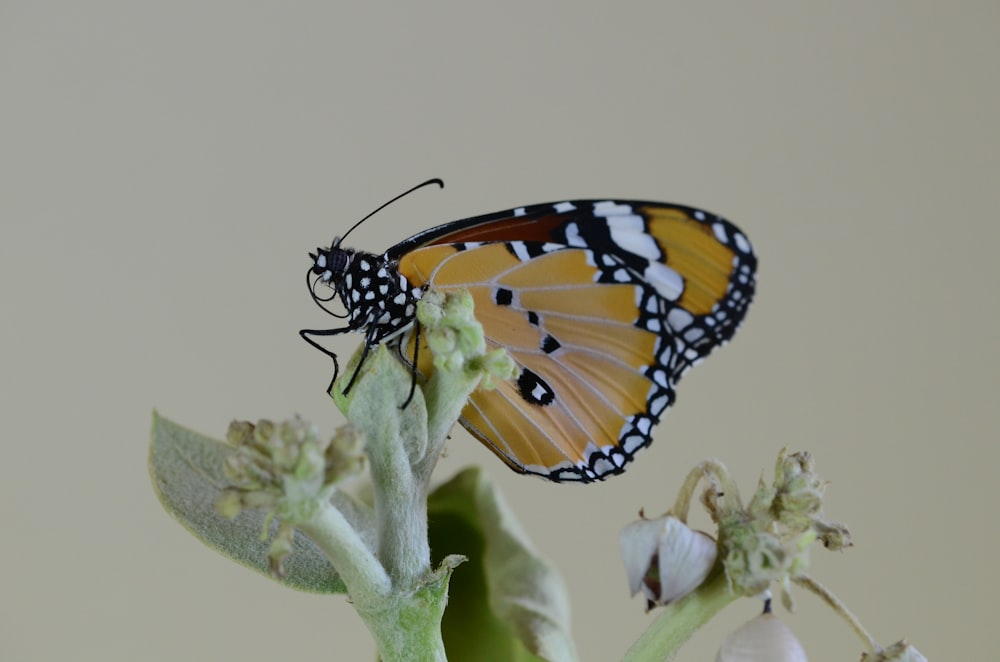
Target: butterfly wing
603,305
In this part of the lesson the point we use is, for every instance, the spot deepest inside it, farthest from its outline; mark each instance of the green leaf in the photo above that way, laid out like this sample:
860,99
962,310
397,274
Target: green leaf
505,604
186,469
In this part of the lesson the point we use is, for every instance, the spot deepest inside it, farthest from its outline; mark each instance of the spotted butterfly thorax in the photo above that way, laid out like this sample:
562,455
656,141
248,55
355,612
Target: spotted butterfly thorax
602,304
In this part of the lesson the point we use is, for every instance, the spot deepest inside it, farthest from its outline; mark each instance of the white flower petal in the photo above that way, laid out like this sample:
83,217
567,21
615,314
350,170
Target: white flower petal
686,557
639,541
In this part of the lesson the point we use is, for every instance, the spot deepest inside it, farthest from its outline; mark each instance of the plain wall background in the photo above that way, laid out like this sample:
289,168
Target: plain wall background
165,167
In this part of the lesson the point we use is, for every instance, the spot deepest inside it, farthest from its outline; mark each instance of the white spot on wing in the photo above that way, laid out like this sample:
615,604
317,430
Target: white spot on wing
573,237
630,235
611,208
667,282
521,251
720,232
658,404
602,466
742,243
694,334
562,207
629,223
679,319
632,443
660,377
519,211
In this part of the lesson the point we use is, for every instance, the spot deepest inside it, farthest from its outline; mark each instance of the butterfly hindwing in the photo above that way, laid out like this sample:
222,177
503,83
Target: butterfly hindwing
585,373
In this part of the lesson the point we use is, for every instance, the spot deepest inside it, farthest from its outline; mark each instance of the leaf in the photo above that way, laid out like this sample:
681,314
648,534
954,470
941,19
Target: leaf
506,603
186,469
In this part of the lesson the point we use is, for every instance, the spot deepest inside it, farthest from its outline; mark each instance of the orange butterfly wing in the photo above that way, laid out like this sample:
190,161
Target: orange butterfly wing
603,305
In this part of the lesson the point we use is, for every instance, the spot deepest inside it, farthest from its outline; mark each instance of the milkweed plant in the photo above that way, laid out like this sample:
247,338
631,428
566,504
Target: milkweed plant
356,514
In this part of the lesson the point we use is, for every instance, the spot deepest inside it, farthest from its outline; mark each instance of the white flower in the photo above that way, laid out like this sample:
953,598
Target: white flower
665,558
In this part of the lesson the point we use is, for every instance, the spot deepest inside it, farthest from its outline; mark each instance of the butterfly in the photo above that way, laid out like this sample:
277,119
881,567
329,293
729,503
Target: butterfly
602,304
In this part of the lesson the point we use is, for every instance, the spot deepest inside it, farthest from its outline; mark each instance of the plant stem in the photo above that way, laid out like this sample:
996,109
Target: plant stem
834,602
408,628
679,620
362,573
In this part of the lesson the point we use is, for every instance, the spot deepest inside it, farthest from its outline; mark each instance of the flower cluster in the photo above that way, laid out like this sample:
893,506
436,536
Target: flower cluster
288,470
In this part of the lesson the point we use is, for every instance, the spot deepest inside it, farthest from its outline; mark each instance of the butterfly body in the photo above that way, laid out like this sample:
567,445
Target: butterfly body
378,298
603,305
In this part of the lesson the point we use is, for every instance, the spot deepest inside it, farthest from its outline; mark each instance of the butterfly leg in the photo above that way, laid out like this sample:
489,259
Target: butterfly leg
413,365
370,341
305,333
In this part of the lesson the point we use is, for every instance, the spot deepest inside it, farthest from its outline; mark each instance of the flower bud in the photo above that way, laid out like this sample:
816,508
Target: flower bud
665,558
763,639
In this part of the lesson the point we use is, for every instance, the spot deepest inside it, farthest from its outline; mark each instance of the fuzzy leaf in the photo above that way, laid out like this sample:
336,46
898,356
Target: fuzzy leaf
186,469
506,603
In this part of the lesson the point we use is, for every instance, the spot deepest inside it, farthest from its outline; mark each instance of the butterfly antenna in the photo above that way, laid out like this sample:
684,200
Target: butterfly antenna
435,180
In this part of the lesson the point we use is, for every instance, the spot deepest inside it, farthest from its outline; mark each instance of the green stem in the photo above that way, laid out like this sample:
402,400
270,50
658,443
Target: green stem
393,435
363,575
406,621
408,628
446,396
679,620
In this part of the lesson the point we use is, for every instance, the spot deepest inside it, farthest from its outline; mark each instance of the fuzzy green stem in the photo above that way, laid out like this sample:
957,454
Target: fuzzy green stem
408,628
392,434
402,445
365,578
840,608
446,396
679,620
406,623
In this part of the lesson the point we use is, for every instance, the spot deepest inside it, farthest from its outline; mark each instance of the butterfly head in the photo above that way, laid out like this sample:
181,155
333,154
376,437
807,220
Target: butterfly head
330,264
329,267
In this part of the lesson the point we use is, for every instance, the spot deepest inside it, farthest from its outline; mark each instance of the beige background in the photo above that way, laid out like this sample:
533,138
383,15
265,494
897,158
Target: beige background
165,167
